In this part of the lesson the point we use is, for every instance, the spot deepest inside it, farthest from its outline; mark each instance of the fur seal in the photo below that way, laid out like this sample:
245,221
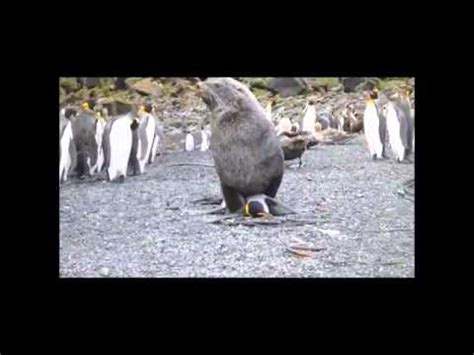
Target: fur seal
247,153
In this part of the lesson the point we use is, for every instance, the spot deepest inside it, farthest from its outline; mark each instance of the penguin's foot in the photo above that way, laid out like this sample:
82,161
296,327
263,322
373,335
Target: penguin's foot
374,157
121,179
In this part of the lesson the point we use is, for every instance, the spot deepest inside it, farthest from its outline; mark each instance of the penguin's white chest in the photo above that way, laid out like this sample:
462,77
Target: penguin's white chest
309,119
189,143
145,146
120,146
65,158
98,137
372,132
204,141
394,131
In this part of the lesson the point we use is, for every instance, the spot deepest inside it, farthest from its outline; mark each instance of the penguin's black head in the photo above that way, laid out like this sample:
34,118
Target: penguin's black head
134,125
148,108
223,92
70,113
373,94
255,209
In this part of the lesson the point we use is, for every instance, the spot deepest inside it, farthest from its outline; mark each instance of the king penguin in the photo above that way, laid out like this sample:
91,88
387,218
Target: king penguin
117,145
67,153
269,111
189,142
145,132
399,125
309,118
374,127
84,131
409,112
157,144
205,136
261,205
101,115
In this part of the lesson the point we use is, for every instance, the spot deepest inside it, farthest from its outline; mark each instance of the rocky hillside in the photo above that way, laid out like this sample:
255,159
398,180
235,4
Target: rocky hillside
179,106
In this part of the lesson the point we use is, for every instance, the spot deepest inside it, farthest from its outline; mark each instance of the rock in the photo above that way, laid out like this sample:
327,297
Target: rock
147,87
120,84
354,84
349,84
62,95
287,86
104,271
116,107
89,82
254,83
68,85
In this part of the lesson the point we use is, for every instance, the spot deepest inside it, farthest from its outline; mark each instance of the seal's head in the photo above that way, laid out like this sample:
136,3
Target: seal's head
226,93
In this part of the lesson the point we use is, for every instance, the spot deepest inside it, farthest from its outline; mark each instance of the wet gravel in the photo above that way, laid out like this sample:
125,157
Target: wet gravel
139,228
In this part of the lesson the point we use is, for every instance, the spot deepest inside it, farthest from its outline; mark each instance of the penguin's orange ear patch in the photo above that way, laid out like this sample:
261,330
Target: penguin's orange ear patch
246,210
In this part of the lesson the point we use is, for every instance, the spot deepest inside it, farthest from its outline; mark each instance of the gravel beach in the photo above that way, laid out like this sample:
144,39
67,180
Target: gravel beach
141,228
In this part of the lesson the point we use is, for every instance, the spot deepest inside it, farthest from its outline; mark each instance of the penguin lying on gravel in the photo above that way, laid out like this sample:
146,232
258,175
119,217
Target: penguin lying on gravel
262,205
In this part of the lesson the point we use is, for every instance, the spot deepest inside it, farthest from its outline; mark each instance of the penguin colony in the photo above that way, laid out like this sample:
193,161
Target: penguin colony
250,169
91,143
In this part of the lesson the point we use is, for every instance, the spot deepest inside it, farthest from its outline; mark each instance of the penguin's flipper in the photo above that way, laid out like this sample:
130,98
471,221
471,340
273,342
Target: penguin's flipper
277,208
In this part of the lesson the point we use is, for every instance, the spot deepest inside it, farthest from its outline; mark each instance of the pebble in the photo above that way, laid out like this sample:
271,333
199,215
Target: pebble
104,271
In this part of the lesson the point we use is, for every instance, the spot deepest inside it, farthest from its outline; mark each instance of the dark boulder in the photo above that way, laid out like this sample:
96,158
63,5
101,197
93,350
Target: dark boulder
287,86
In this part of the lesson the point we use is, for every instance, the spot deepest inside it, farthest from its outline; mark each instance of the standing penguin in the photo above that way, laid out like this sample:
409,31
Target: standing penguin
84,131
374,127
142,143
117,145
67,151
157,144
189,142
399,129
205,136
101,115
283,126
309,118
409,113
269,111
